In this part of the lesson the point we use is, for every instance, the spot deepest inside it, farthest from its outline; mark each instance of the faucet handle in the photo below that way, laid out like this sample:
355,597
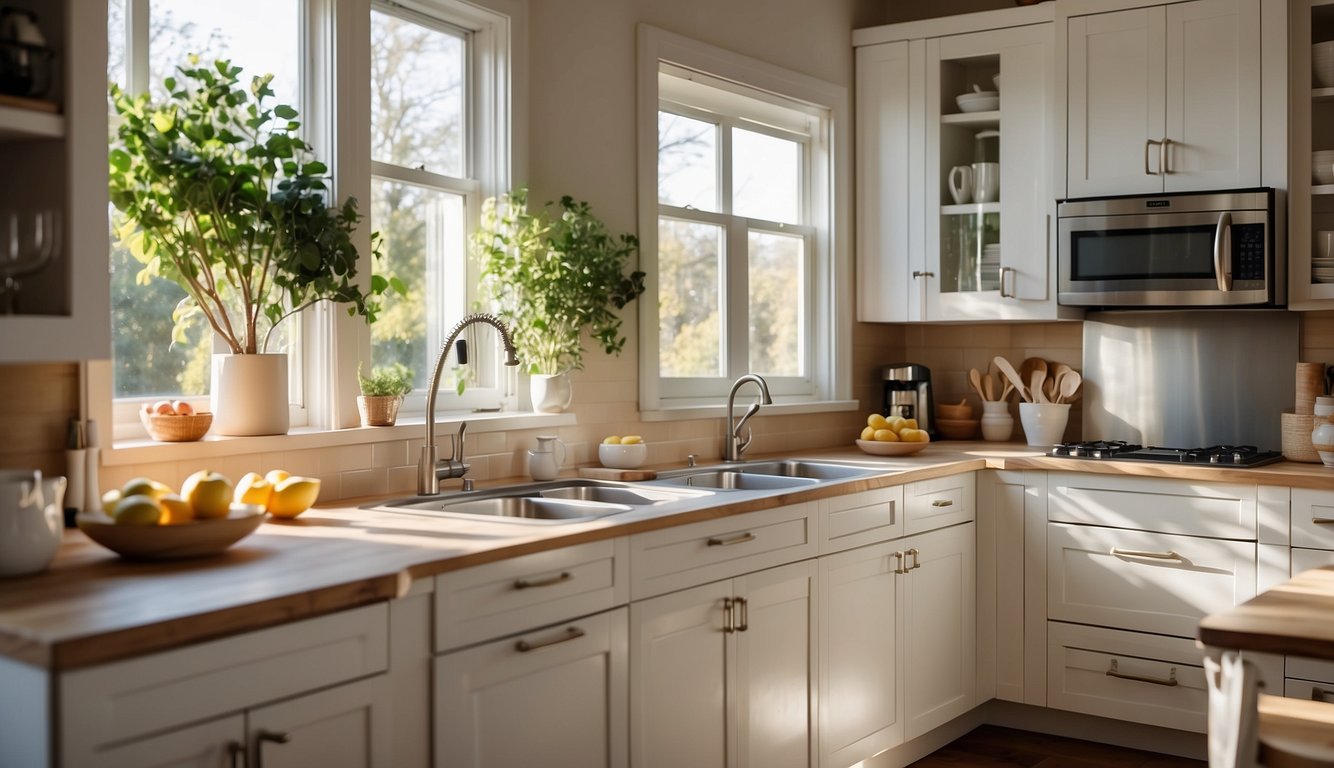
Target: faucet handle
463,427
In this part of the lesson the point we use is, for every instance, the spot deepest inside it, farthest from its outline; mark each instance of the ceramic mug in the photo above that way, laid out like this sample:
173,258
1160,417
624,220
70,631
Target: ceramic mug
961,184
1324,241
986,182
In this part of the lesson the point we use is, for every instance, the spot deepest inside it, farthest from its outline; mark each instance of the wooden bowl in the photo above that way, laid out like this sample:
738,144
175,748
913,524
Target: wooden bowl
197,538
170,428
877,448
957,429
954,411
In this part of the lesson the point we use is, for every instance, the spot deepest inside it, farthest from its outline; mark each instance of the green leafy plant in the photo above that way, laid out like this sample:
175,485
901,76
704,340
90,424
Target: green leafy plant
552,277
217,192
388,381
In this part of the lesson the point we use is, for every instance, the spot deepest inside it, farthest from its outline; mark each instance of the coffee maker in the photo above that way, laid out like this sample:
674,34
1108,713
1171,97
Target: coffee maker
908,394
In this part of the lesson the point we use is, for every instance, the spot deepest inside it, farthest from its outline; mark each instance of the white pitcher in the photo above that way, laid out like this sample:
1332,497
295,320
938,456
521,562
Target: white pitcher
545,462
31,521
961,184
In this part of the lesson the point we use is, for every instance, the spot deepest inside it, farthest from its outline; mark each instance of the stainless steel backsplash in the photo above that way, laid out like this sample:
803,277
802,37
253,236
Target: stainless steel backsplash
1186,379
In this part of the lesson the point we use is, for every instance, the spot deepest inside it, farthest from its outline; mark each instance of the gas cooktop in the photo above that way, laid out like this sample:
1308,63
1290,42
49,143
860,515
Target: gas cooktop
1216,455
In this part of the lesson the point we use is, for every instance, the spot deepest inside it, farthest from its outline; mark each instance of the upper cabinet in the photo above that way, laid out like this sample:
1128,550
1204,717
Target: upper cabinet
954,195
1164,99
54,285
1311,174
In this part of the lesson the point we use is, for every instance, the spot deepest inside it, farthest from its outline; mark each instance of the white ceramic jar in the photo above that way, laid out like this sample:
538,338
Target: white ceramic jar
31,521
997,423
1322,440
1044,423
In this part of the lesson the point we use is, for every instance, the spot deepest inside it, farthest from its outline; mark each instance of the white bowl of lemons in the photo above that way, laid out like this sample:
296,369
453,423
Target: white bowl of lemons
626,452
893,436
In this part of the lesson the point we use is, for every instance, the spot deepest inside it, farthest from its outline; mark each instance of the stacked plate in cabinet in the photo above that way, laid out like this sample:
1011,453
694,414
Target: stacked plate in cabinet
990,267
1321,269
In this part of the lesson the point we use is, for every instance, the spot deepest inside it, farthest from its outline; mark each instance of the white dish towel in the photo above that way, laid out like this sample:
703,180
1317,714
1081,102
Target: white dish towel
1233,692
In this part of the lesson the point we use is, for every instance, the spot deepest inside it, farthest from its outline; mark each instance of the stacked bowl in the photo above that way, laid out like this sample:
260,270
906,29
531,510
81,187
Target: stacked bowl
1322,65
1322,166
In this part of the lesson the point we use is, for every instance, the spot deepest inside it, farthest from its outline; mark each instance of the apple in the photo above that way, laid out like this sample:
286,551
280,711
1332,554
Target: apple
139,509
143,486
209,494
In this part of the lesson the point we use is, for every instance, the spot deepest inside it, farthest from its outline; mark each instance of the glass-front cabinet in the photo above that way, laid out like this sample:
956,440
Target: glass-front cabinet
1311,169
955,196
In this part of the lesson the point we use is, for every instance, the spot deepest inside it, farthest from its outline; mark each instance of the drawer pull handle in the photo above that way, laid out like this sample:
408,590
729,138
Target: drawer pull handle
898,563
943,503
728,625
738,539
1170,682
1323,520
550,580
743,623
267,736
916,559
1320,694
1168,555
571,633
235,754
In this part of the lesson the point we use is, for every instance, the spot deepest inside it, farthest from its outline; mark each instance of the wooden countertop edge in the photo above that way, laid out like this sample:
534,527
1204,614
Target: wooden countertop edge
99,647
1290,618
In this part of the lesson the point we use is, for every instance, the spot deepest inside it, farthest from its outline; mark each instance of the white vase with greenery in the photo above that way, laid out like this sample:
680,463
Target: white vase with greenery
553,277
216,191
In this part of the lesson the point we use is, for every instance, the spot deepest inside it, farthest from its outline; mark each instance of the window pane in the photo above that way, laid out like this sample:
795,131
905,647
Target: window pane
116,42
689,299
776,293
227,30
417,96
423,244
687,162
766,177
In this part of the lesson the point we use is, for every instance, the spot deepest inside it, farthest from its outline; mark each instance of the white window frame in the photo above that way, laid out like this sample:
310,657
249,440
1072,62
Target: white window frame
826,226
334,104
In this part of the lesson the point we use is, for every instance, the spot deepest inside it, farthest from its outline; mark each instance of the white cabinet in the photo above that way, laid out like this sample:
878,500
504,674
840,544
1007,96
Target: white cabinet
1164,99
558,693
267,691
939,630
1311,112
721,674
922,254
62,312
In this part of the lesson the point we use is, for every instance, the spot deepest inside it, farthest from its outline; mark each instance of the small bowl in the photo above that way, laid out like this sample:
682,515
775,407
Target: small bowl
197,538
622,456
1322,64
955,411
978,101
1322,166
957,429
170,428
877,448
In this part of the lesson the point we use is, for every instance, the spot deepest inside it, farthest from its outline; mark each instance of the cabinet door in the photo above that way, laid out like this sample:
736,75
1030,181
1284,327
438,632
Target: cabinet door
343,727
939,627
207,745
775,660
860,640
1026,117
883,183
1213,95
678,679
1116,102
560,695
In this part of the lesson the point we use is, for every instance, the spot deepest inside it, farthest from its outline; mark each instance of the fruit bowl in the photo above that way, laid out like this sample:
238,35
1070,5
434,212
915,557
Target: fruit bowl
622,456
877,448
170,428
196,538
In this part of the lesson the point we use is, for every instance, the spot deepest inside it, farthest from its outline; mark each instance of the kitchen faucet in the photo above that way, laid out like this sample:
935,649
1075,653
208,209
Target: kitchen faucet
733,446
430,470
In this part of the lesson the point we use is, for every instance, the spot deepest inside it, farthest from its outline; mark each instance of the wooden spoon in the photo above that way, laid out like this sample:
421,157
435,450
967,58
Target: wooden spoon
1013,376
1035,388
988,385
975,378
1070,386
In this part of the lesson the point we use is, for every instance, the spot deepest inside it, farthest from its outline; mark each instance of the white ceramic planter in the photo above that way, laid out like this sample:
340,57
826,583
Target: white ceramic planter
248,395
1044,423
997,423
550,393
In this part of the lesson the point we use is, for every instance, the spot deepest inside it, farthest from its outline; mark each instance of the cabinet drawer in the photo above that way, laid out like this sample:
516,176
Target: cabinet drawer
861,518
676,558
1126,676
1313,519
514,595
1310,691
1306,559
1225,511
121,700
1150,582
1311,669
931,504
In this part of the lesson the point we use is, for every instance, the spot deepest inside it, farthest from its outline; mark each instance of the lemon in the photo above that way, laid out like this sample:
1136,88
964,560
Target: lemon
868,433
143,486
175,510
914,436
275,476
612,440
886,436
209,494
896,424
109,500
293,496
908,424
876,421
139,509
254,488
631,440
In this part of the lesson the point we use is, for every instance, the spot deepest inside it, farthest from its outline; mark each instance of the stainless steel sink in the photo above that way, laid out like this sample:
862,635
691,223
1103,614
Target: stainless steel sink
765,475
555,502
818,470
733,480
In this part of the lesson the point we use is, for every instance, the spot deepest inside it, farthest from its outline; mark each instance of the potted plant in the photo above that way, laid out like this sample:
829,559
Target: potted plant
216,191
382,393
553,277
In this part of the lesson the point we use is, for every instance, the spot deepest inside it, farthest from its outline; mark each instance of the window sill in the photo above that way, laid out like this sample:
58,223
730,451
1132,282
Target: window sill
146,451
719,410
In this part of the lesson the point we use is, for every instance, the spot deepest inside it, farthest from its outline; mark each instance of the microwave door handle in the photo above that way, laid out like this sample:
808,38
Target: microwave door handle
1223,251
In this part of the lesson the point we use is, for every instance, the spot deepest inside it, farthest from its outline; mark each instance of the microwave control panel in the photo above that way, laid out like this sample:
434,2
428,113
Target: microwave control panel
1248,251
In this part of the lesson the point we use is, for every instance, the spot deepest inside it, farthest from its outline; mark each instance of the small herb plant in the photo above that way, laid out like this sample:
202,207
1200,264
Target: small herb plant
553,276
388,381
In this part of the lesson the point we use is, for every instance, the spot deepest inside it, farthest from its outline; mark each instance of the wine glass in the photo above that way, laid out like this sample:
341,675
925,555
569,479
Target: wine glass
28,242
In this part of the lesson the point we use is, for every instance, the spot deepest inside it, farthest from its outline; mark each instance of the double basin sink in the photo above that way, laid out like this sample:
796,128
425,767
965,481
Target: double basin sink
579,500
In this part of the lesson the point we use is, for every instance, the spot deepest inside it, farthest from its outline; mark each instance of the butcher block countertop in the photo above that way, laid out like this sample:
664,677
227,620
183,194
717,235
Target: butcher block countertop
91,606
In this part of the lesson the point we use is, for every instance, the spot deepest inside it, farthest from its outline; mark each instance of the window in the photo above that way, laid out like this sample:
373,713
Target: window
439,142
738,227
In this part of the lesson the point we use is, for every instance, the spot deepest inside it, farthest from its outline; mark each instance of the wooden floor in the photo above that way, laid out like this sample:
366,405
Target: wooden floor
994,747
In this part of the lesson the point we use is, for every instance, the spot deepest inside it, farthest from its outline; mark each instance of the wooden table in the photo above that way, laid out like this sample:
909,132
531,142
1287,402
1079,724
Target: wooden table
1295,618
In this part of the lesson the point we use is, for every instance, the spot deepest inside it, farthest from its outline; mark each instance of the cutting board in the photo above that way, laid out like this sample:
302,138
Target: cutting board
624,475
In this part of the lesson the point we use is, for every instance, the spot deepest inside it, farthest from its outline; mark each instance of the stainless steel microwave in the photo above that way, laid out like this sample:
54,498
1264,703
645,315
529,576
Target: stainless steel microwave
1211,249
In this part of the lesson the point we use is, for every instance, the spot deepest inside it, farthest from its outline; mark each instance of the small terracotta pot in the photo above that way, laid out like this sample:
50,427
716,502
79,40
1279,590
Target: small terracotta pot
378,410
